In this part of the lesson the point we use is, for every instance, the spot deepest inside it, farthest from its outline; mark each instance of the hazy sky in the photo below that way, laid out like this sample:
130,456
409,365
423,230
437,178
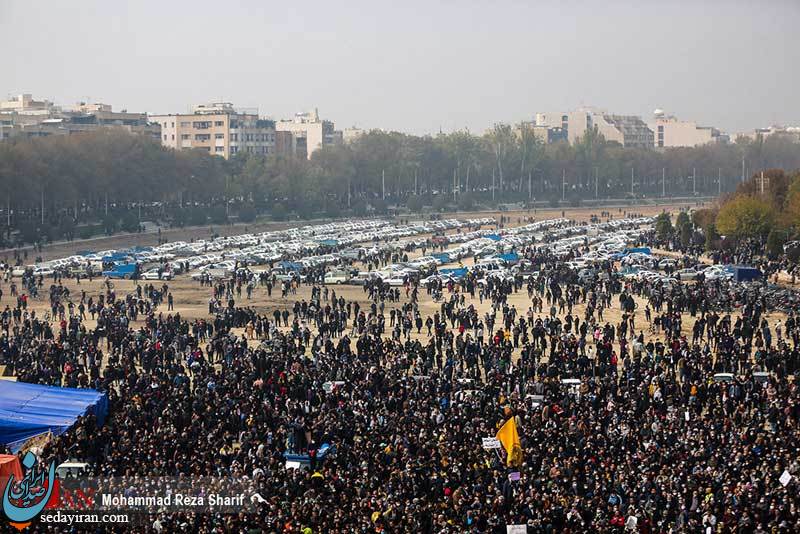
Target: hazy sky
413,66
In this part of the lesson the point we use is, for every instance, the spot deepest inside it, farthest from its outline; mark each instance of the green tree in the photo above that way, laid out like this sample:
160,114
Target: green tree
745,217
712,237
775,241
664,229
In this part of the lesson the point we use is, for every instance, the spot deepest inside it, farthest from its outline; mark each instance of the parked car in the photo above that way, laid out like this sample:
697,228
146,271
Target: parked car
337,276
156,274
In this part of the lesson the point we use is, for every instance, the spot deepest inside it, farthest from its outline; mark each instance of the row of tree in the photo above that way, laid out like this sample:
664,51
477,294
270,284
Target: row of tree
763,211
63,181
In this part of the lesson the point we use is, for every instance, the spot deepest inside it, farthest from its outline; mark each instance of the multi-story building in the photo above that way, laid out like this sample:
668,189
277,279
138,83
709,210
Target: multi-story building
24,104
351,134
789,133
25,117
310,132
628,130
218,129
671,132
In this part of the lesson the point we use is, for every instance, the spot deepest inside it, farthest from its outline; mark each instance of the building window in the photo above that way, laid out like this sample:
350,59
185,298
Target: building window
219,149
202,137
202,125
173,125
173,137
219,136
219,123
234,149
185,136
185,124
234,137
165,137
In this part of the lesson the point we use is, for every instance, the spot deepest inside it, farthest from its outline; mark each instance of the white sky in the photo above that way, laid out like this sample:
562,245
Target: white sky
413,66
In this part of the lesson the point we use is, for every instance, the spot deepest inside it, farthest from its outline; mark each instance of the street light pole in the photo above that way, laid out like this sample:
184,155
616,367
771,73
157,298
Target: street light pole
631,182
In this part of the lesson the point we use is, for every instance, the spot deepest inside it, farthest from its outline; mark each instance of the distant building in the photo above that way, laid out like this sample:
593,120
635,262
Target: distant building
628,130
24,104
311,132
351,134
545,134
25,117
790,133
219,129
672,133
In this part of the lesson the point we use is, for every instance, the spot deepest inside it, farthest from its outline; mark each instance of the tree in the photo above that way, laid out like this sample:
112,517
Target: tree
745,217
703,217
775,241
247,213
415,203
712,237
664,229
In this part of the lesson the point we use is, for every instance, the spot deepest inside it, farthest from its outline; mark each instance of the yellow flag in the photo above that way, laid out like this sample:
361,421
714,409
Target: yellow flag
509,437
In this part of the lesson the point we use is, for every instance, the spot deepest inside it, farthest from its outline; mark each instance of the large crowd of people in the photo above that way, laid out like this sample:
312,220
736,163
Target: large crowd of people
625,422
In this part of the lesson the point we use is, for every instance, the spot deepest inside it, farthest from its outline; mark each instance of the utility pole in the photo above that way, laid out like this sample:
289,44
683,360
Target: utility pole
383,184
530,194
663,181
563,183
743,168
694,181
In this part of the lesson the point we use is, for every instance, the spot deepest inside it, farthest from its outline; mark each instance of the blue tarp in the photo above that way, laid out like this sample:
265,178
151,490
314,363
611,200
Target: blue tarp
639,250
493,237
329,242
443,257
456,273
27,410
509,257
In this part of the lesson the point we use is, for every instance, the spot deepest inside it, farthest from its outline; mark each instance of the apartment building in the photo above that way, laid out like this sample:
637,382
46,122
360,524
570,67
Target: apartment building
628,130
23,116
671,132
310,132
219,129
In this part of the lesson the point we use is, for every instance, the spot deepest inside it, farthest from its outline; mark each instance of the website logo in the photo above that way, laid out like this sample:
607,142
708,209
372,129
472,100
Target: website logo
25,499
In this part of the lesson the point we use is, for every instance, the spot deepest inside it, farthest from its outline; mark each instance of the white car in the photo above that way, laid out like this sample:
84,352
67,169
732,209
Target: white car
153,274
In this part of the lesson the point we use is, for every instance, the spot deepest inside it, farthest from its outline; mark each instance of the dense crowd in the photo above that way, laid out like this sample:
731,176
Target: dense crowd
647,437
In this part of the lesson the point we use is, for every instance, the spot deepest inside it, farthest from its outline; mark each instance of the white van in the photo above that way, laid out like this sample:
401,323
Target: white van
337,276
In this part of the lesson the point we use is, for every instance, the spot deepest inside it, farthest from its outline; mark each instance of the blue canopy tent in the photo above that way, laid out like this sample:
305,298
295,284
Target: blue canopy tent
28,410
443,257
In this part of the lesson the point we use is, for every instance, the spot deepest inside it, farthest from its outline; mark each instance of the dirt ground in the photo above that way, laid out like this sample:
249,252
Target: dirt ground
191,300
